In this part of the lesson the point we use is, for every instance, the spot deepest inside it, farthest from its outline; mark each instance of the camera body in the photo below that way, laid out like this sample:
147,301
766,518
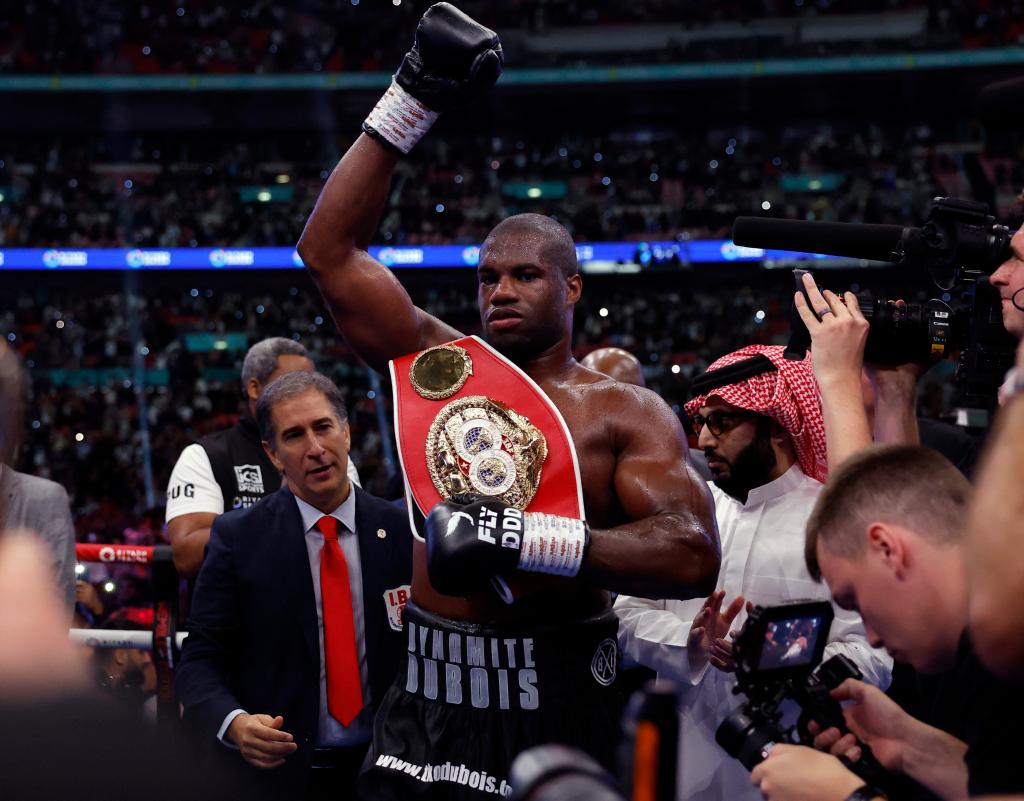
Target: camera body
778,658
956,249
776,654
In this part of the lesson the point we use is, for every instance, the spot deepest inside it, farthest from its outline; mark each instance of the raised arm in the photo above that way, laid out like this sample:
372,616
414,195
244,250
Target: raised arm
452,60
671,548
838,334
370,307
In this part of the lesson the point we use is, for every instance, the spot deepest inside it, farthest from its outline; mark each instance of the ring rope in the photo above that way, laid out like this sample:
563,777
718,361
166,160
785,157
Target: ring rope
116,638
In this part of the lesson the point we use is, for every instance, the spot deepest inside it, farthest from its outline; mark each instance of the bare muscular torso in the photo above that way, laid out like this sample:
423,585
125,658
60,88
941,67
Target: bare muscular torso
589,403
652,522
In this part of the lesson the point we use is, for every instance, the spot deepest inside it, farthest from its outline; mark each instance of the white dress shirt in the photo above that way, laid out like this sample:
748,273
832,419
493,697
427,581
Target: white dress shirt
329,731
763,560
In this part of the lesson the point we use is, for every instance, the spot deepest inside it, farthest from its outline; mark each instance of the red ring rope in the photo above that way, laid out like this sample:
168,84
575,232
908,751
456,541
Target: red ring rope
121,554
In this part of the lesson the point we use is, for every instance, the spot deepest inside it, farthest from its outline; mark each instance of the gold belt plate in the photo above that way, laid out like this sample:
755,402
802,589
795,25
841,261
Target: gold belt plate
477,445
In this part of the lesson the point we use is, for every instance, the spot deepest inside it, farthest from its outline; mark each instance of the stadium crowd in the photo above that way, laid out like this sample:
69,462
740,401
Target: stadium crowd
115,37
629,184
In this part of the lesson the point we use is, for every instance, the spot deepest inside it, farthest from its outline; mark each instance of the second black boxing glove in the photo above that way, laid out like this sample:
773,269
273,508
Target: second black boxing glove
453,60
468,545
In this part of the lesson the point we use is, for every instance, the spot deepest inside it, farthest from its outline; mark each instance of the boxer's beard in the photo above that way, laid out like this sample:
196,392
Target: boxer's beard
751,468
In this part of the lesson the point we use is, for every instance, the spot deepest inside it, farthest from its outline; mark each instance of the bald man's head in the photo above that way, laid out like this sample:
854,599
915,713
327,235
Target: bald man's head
616,363
538,233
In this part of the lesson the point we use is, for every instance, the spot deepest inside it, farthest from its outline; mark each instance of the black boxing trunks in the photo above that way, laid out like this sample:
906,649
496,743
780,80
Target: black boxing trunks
469,698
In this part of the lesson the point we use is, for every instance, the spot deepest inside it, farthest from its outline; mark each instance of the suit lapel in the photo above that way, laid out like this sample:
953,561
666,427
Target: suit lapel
296,567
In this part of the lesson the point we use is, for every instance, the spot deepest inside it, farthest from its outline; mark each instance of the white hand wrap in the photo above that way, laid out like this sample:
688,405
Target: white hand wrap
552,544
400,118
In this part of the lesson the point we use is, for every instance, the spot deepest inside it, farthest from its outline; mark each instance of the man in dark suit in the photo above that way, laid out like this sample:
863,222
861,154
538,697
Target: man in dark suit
295,633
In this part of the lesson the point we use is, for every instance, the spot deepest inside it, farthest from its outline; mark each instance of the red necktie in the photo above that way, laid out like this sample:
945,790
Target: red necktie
344,688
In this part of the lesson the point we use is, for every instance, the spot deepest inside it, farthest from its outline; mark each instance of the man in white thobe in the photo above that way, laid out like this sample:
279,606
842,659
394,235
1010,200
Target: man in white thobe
759,424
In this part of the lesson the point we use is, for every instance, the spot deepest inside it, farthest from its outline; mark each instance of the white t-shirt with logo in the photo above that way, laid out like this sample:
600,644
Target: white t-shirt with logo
192,487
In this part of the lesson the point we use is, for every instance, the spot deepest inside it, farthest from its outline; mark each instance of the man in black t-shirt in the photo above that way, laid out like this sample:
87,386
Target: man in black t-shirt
887,535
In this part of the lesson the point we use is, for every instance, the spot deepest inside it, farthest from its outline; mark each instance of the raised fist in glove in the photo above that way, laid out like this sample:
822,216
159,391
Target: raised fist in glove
453,60
468,545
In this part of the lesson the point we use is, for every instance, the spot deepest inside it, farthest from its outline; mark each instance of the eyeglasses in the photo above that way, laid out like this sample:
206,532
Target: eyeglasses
716,421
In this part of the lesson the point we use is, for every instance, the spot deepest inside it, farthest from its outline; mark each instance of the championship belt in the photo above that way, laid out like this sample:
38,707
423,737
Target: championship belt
470,422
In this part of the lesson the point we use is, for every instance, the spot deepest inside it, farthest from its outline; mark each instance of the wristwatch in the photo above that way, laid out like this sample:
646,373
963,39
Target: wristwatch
866,792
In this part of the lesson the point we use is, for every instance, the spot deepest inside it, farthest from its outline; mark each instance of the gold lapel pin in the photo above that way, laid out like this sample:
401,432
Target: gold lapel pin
381,533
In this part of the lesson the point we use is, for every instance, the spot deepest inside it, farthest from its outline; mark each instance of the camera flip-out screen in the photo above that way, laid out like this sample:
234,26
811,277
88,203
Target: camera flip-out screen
790,642
782,642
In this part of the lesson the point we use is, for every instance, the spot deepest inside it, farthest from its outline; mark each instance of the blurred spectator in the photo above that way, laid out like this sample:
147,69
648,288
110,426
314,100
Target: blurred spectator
88,605
616,363
42,506
46,701
27,502
126,674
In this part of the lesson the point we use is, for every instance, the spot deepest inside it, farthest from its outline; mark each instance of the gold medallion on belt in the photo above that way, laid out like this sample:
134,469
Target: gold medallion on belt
475,444
438,373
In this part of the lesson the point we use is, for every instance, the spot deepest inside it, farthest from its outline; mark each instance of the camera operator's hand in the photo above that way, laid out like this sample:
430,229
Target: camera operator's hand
874,719
838,334
709,630
798,773
900,742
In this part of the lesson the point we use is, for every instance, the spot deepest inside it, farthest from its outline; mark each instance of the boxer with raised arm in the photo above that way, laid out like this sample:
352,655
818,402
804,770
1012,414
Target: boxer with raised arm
488,678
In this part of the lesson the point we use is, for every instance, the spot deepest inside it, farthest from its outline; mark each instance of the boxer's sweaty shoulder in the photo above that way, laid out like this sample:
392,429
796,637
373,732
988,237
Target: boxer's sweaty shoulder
591,405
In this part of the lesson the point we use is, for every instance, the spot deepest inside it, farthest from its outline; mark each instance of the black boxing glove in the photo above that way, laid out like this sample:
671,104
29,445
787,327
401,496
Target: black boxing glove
468,545
453,60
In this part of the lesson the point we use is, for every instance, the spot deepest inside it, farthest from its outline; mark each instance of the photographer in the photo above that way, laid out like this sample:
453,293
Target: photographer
838,332
1009,281
887,535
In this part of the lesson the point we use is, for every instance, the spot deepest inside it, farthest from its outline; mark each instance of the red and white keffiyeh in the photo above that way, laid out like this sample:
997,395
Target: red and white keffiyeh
787,394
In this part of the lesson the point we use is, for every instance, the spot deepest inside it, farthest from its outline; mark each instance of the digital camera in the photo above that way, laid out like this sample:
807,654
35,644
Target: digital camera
778,659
